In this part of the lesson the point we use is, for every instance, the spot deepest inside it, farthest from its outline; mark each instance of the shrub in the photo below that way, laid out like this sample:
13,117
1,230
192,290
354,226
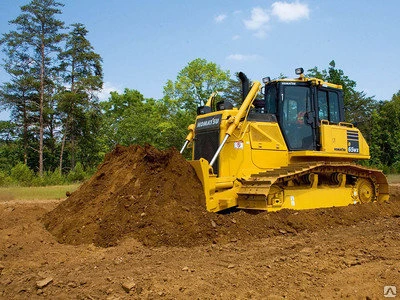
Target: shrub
77,174
4,178
396,167
21,174
54,178
386,169
37,181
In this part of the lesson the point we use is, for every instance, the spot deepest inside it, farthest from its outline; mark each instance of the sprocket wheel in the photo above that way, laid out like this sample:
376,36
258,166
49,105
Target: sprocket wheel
365,190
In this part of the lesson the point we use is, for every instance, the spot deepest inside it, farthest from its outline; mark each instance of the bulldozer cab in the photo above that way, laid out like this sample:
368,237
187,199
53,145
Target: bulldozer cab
300,106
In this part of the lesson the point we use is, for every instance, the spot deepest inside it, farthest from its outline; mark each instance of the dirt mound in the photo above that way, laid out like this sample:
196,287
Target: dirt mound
155,197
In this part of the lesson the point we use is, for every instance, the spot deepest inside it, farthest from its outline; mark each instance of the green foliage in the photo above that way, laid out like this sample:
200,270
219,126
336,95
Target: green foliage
22,175
195,83
396,167
53,178
54,76
34,44
129,118
10,150
80,65
78,109
192,88
5,178
385,133
77,174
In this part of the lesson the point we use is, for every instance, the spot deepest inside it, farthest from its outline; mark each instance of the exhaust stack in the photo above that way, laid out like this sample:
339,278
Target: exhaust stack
245,85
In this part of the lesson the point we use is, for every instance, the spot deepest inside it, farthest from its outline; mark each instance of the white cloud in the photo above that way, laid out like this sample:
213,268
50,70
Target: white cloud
258,21
220,18
108,87
242,57
259,18
288,12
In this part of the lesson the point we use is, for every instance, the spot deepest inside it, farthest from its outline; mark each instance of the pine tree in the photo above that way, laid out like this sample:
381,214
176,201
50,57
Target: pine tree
36,40
19,94
82,72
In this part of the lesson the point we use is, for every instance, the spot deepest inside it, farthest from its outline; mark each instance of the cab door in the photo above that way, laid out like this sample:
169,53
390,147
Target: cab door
297,116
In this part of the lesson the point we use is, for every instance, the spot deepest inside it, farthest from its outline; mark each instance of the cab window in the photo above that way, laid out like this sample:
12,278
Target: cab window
328,106
334,107
271,100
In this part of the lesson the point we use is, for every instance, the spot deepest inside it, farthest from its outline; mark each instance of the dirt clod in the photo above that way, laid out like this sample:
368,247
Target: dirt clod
40,284
128,286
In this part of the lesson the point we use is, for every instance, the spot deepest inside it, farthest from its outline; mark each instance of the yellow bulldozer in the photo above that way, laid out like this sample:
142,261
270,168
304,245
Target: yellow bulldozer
292,149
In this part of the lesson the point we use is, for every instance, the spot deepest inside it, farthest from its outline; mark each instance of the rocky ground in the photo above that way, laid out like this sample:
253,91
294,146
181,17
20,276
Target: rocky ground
108,242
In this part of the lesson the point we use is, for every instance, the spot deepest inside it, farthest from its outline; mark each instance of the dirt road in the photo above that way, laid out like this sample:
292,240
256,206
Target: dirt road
353,258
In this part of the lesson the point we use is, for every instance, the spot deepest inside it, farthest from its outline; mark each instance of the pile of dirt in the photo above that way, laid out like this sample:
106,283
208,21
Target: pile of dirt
152,195
155,197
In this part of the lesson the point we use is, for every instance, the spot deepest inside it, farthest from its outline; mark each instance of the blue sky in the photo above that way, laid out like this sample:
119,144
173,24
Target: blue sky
145,43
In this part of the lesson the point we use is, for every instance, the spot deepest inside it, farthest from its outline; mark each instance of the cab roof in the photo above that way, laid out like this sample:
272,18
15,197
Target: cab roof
312,80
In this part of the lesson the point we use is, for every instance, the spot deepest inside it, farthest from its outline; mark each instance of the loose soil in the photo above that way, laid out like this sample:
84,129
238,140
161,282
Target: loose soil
138,229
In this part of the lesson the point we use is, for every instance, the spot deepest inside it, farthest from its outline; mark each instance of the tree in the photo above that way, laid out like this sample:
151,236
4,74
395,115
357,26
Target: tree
192,87
129,118
9,148
37,40
19,94
195,83
82,71
385,133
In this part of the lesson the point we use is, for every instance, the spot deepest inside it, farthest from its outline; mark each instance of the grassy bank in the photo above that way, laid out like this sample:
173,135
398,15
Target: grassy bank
393,178
36,193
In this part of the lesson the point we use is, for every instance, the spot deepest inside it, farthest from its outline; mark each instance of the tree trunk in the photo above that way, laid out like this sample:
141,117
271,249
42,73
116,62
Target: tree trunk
25,131
73,161
71,115
62,151
41,109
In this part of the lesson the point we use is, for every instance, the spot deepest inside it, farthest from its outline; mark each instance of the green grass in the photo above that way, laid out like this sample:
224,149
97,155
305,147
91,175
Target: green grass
36,193
393,178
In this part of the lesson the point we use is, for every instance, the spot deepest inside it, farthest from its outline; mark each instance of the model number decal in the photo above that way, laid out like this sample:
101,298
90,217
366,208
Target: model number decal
351,149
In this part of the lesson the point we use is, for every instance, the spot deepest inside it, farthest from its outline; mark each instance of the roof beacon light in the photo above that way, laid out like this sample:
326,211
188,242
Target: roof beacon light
299,71
265,80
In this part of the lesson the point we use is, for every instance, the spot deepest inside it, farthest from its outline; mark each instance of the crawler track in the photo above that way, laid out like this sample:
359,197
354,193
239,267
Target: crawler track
268,190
